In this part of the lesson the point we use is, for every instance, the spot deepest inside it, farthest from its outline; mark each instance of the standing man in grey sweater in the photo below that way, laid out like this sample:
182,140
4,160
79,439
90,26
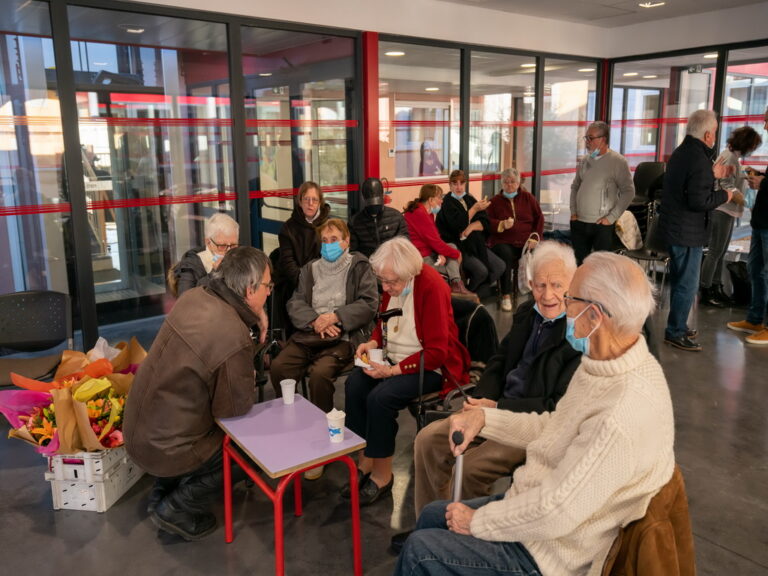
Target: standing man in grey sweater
600,192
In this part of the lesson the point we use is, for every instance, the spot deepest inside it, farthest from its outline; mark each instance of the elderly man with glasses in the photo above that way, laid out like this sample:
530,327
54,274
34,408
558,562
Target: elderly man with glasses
600,192
200,368
592,464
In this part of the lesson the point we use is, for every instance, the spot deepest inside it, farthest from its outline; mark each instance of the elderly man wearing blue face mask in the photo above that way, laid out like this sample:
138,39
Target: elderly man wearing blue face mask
592,464
600,192
332,309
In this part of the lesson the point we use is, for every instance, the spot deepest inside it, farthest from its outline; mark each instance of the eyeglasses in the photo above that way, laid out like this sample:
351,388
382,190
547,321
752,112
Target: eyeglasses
386,281
225,247
590,138
268,285
310,200
602,308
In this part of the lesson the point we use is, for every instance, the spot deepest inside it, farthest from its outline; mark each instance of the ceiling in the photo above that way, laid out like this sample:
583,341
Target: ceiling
605,13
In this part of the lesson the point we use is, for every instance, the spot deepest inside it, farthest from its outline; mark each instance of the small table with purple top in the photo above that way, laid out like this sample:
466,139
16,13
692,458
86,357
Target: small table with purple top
284,441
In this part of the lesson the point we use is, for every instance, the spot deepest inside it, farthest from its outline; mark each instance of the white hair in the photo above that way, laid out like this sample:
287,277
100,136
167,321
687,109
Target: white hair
623,289
221,223
604,127
701,121
400,255
550,251
513,173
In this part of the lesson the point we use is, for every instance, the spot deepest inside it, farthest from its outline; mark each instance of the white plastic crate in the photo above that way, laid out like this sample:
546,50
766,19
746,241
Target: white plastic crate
98,495
86,466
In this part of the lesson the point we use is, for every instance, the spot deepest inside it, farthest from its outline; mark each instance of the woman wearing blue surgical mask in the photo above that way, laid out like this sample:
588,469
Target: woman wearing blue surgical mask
221,235
420,216
332,310
514,214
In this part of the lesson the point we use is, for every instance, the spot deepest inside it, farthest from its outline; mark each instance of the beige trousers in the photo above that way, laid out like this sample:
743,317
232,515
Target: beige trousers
484,462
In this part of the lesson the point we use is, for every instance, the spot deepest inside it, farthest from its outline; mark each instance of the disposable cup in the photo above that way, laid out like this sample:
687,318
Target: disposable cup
336,425
288,387
376,355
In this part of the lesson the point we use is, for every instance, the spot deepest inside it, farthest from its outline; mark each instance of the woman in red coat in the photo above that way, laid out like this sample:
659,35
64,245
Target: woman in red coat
375,395
514,214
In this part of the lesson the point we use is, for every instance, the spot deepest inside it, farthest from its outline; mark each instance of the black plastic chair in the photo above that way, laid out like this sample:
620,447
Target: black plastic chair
648,180
653,251
33,322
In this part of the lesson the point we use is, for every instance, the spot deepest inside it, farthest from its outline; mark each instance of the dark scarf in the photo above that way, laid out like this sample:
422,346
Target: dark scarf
217,287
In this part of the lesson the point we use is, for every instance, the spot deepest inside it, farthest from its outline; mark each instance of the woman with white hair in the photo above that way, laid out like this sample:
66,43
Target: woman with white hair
592,465
514,214
221,235
375,395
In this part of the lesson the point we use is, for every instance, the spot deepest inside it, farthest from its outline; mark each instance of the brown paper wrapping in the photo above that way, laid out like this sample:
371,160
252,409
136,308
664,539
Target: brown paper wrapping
67,422
130,353
71,361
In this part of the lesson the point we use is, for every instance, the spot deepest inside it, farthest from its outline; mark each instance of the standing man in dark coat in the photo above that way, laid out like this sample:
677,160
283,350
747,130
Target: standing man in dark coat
375,223
687,201
200,368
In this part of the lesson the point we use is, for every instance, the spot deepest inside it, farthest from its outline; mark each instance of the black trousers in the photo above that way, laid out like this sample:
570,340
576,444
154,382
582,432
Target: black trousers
587,238
511,256
372,406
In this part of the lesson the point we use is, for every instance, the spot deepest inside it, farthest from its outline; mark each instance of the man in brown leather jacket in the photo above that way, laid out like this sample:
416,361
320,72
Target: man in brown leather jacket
200,367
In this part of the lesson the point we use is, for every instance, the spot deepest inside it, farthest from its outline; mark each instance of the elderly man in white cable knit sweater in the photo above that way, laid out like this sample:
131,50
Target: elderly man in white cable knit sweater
600,192
592,465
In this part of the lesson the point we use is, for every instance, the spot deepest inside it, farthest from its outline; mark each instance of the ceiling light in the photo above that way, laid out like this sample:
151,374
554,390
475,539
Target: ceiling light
531,65
630,74
131,28
711,56
529,93
432,89
265,74
394,53
649,76
101,63
586,69
651,4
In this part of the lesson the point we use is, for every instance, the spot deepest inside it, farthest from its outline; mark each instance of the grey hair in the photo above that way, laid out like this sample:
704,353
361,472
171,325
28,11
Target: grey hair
242,268
550,251
622,287
604,127
221,223
701,121
399,255
511,173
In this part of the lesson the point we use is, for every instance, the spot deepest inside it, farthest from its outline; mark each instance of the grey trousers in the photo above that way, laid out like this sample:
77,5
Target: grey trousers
719,238
484,463
451,268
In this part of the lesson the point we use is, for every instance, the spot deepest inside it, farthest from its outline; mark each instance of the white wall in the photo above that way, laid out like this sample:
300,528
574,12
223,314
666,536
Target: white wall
475,25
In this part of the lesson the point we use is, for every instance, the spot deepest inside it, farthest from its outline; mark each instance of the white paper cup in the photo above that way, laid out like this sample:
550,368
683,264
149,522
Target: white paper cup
336,428
376,355
288,387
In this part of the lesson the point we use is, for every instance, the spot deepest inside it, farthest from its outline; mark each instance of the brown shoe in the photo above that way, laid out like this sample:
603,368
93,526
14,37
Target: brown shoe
460,291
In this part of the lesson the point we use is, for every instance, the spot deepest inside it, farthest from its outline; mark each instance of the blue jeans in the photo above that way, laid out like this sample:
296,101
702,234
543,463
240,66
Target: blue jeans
433,549
684,284
757,265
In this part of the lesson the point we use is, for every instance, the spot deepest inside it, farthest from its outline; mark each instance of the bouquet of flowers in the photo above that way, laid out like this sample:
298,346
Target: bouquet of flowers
82,408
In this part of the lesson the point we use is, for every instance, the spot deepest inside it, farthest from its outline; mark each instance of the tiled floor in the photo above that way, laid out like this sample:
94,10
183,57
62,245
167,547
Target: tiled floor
721,403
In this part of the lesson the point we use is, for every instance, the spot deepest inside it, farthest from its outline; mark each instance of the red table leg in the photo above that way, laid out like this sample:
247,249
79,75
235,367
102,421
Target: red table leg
357,548
297,495
228,536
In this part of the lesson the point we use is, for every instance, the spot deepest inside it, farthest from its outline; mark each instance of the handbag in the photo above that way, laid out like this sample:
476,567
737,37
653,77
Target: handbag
314,341
425,416
524,269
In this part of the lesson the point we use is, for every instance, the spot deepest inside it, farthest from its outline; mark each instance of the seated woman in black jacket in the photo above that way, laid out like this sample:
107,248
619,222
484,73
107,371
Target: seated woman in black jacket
462,221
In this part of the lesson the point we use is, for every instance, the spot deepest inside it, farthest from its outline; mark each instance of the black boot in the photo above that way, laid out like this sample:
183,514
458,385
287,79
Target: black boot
191,525
708,298
720,295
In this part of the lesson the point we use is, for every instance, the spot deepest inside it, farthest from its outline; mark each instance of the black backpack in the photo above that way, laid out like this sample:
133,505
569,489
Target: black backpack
742,288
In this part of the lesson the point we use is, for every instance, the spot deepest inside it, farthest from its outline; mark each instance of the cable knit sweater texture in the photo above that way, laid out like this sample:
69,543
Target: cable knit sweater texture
592,465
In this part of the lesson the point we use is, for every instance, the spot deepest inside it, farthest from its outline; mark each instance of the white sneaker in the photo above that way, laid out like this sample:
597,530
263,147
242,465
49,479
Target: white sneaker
506,303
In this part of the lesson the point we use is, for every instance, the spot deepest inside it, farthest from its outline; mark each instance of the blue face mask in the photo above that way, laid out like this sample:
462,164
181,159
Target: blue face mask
331,251
458,196
509,195
536,307
435,209
216,257
578,344
407,290
595,153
